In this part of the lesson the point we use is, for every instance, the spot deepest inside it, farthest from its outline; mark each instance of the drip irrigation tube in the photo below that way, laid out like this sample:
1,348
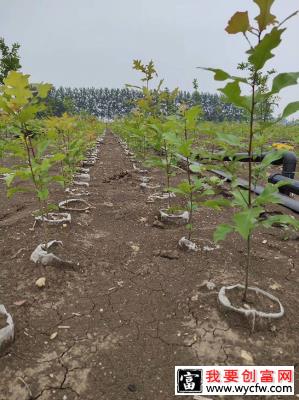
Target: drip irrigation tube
292,186
258,189
288,160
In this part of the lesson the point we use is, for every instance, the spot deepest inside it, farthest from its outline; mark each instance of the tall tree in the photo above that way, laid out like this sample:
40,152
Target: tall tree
9,59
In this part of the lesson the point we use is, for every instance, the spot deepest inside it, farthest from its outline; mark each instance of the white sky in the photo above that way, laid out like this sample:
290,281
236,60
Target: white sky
93,42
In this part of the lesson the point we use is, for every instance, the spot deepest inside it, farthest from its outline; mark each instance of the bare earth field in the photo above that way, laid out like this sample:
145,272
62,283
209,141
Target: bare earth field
114,326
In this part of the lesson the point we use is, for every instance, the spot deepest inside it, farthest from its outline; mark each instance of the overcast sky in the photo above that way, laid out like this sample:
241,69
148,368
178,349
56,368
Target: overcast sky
93,42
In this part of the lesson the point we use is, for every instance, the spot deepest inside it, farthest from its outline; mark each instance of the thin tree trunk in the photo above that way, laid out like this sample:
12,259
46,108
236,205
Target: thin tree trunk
248,256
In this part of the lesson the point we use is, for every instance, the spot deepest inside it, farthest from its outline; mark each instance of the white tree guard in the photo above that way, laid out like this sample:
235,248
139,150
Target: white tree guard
186,244
65,205
8,332
225,302
82,177
40,255
160,196
55,218
181,218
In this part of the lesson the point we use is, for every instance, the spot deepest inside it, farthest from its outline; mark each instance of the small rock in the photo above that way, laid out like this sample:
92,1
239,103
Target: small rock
208,248
53,336
41,282
273,328
247,356
265,241
132,387
158,224
143,185
275,286
89,336
211,285
170,254
108,204
187,245
20,303
208,284
135,248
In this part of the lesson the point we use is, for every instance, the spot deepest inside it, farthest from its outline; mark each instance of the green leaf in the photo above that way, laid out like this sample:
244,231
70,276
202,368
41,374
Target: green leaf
57,157
229,139
185,148
28,113
284,80
43,194
182,188
195,168
43,89
281,219
208,192
191,116
217,203
245,221
9,178
240,198
290,109
263,51
270,157
57,178
232,91
12,191
221,232
220,75
265,18
268,195
239,22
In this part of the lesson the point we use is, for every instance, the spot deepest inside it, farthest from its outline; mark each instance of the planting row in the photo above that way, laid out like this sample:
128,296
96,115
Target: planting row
172,141
36,154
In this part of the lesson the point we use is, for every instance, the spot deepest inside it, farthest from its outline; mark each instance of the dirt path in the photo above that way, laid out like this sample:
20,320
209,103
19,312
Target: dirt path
125,317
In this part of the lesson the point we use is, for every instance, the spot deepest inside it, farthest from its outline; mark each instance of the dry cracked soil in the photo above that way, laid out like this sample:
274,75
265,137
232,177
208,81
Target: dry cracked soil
133,306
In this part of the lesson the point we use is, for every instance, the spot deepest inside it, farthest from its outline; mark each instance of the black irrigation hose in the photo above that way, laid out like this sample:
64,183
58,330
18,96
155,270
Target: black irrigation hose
288,160
258,189
292,186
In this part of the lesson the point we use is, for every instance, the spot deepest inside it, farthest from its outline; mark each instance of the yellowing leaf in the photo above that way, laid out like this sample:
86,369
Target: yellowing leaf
239,22
17,88
265,17
43,89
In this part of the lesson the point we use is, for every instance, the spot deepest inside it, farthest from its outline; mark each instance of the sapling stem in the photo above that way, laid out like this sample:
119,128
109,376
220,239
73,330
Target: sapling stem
250,177
29,148
190,187
167,171
248,260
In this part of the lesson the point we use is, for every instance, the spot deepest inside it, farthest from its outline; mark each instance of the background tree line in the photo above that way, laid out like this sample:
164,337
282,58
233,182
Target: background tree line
109,103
